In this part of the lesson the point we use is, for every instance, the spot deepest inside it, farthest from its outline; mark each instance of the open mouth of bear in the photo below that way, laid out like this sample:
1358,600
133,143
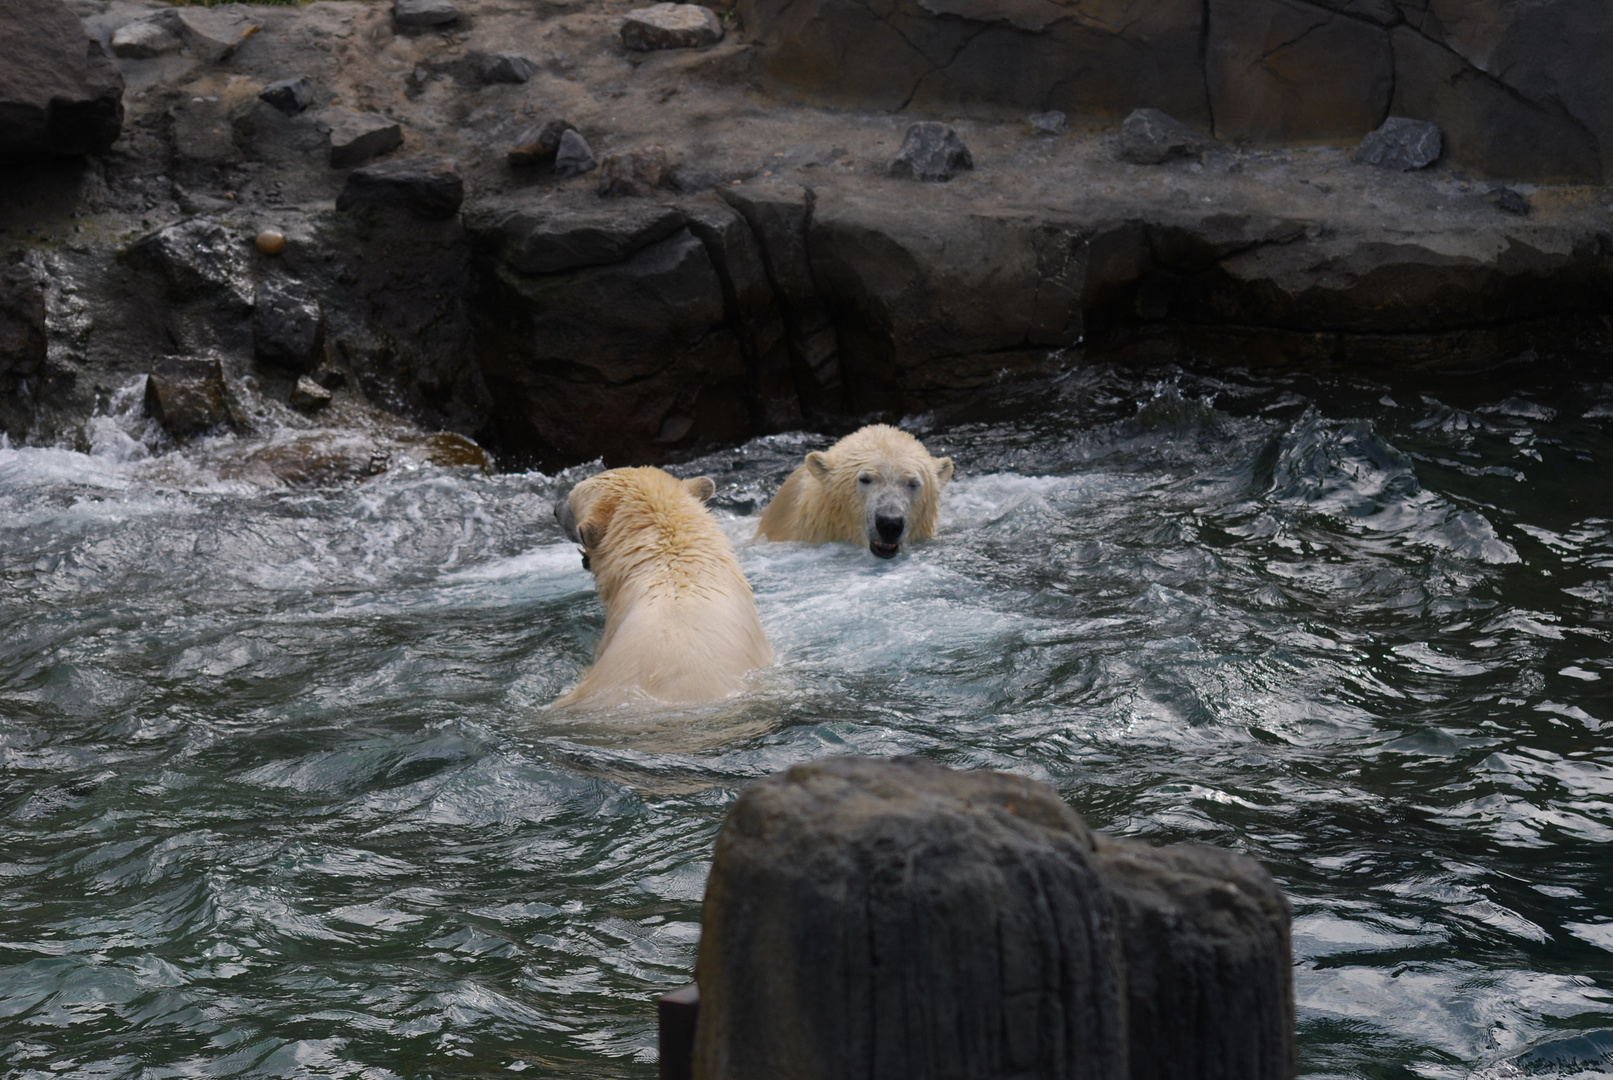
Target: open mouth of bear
883,550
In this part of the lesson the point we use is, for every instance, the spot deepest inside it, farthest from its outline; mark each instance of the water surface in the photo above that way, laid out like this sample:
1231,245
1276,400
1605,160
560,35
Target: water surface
279,794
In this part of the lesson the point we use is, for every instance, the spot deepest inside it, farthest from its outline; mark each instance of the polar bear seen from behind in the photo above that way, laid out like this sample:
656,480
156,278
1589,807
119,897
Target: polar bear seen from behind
680,621
877,486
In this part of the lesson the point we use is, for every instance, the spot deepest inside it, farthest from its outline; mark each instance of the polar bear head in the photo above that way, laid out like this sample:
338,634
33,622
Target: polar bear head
882,479
586,512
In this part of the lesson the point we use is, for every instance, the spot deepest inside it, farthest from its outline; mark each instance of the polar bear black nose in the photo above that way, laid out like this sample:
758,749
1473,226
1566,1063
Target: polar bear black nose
889,528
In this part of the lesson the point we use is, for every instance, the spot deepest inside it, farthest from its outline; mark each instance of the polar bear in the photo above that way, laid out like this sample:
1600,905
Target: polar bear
877,485
680,621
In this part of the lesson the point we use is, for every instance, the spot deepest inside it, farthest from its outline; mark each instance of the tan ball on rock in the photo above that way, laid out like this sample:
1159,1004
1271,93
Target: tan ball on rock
270,242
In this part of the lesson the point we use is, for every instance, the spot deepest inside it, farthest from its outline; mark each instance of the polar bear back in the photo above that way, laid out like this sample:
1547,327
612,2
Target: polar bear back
680,620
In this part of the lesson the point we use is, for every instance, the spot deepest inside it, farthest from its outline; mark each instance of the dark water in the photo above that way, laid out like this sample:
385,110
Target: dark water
279,796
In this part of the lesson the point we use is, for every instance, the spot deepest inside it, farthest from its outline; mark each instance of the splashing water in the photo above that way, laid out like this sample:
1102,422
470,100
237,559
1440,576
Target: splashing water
280,795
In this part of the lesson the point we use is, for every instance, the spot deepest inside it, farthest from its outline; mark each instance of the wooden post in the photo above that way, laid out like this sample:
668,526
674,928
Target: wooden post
895,920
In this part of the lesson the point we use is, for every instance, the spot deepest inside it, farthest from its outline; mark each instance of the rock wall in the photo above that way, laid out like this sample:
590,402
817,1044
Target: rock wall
1519,87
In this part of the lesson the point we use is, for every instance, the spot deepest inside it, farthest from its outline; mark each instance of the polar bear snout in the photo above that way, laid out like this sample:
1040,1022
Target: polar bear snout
886,537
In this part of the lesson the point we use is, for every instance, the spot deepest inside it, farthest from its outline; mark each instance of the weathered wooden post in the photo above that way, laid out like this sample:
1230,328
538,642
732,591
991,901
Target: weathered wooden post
895,920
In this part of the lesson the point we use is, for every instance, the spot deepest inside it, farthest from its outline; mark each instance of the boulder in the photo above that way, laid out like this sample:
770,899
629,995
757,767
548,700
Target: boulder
426,187
507,68
573,156
881,919
547,240
60,93
144,39
931,151
195,258
290,96
212,35
778,216
309,396
1149,137
1401,144
424,12
629,360
633,172
356,137
1050,123
538,146
288,326
22,325
187,396
671,26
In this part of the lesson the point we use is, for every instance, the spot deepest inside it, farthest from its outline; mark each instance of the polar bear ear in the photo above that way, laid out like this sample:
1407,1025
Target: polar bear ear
943,469
701,487
590,533
817,464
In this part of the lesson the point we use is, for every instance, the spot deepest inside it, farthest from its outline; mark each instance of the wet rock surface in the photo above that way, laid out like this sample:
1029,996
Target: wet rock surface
819,288
187,396
870,918
22,325
288,326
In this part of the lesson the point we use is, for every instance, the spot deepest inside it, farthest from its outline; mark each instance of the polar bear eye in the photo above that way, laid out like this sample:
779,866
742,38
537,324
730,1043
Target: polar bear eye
865,478
913,483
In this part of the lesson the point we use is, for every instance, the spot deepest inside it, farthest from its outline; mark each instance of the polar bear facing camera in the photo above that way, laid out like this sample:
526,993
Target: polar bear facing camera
680,621
877,486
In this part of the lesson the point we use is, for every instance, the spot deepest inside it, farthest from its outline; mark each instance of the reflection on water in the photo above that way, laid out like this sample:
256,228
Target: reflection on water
279,793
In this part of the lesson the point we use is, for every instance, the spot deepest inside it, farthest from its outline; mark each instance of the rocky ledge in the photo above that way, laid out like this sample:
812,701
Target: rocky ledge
548,228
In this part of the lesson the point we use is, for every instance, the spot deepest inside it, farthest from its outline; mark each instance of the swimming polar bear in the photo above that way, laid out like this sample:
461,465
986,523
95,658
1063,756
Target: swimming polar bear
680,621
877,485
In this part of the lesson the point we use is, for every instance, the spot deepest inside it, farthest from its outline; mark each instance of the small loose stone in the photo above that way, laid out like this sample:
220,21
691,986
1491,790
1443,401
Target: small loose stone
270,242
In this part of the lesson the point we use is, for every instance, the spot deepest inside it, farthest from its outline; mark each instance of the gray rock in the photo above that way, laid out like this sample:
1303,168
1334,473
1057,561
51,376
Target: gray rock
423,12
22,325
689,180
1401,144
547,241
573,156
633,357
1149,137
290,96
288,326
537,146
427,187
144,39
356,137
309,396
507,68
778,216
671,26
871,919
1050,123
187,396
1509,201
633,172
60,93
211,34
931,151
196,258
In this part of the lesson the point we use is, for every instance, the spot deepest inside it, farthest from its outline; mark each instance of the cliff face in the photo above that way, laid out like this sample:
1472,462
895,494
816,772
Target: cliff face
631,254
1517,86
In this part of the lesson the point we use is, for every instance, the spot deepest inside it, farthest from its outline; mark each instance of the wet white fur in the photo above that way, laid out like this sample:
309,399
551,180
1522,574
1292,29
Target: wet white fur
680,621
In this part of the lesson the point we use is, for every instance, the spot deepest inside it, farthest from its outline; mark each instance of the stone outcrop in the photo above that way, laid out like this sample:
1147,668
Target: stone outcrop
426,187
187,396
1518,89
60,93
22,325
872,919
